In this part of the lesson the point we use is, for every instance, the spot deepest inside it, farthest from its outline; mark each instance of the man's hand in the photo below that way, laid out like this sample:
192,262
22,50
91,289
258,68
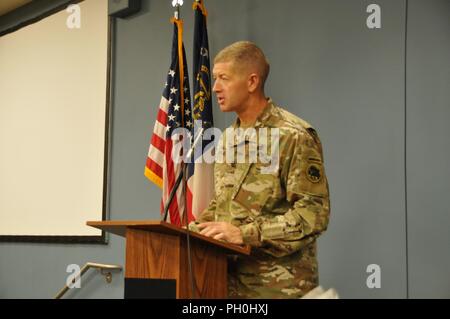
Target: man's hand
222,230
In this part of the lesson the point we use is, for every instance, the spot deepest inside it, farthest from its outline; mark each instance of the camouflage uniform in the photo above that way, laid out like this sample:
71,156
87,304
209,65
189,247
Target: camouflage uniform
280,214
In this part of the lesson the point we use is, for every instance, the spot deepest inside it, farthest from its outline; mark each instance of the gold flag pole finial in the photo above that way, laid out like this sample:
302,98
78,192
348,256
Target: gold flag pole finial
199,4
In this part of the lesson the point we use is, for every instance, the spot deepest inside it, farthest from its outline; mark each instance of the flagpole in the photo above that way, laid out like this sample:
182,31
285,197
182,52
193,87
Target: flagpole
176,13
183,163
179,23
181,73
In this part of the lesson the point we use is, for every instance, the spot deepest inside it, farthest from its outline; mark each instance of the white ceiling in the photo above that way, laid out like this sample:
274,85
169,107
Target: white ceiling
9,5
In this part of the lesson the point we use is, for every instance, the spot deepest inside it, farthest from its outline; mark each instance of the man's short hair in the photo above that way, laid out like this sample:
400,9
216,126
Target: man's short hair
244,54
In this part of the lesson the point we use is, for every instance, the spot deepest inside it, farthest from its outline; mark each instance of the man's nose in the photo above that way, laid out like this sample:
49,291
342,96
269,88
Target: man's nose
216,87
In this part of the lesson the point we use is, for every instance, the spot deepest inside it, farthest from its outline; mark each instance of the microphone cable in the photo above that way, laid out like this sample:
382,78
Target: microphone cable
185,217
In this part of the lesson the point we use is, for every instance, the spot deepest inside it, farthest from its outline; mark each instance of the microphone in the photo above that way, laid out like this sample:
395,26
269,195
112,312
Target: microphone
180,177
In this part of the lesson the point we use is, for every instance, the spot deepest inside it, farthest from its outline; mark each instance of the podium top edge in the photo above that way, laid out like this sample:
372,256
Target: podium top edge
119,227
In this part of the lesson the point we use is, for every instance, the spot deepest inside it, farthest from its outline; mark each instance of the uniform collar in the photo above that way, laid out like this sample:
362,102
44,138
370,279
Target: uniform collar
262,118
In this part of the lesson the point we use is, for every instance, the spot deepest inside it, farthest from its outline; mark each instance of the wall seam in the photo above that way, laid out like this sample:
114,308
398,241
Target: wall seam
405,149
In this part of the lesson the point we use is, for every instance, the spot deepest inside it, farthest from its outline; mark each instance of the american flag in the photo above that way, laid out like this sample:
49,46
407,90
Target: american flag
174,112
200,175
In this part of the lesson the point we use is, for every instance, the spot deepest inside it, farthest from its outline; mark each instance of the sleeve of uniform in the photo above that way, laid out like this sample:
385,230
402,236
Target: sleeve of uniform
303,177
207,215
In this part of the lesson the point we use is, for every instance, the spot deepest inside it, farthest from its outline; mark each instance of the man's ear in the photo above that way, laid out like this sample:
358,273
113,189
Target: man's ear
253,82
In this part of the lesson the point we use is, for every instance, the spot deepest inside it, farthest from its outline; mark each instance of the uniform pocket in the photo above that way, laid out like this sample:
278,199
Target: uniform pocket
255,190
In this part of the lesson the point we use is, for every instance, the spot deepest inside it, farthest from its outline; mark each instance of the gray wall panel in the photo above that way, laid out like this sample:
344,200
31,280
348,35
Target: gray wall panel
39,270
428,146
347,81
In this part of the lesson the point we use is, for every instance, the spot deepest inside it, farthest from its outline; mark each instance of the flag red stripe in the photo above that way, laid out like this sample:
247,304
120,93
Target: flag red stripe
170,171
158,142
154,167
162,117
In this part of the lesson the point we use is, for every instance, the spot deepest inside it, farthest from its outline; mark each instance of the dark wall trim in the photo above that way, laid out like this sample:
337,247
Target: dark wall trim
55,239
31,13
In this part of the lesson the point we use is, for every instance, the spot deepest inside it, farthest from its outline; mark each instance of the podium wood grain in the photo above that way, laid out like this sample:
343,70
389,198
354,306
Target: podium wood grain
157,250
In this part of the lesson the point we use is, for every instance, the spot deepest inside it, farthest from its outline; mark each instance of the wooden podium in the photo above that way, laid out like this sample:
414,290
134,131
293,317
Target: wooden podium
158,250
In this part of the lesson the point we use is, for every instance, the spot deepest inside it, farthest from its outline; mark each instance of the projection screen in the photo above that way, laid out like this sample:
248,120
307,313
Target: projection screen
54,114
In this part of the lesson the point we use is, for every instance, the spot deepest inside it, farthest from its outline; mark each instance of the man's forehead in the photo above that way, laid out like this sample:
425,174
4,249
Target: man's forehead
222,67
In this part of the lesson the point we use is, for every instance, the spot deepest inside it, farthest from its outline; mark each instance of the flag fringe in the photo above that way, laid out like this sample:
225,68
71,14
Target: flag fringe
153,177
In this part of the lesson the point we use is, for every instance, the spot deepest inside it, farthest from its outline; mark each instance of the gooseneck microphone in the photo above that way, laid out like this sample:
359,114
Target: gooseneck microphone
185,217
180,177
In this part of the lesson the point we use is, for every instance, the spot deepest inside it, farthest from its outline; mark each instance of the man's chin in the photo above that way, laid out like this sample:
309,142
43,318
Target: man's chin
224,108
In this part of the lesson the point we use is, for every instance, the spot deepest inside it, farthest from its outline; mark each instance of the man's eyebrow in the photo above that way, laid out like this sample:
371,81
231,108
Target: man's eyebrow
219,73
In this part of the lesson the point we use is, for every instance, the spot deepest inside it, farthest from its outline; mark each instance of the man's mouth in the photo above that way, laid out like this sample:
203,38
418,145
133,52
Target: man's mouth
220,100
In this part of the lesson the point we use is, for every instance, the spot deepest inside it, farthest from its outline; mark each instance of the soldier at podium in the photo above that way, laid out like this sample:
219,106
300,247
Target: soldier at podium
279,213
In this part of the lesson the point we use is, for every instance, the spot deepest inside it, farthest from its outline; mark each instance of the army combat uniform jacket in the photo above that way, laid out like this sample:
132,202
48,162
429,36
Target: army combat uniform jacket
280,213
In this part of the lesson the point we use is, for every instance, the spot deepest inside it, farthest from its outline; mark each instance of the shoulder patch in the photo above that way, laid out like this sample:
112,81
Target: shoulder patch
314,173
